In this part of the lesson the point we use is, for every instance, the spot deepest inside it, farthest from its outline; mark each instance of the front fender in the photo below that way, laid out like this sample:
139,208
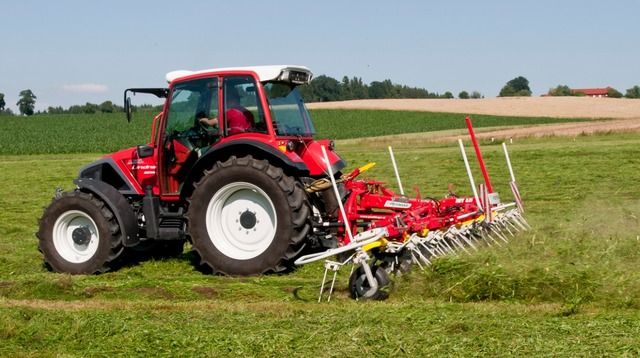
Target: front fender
118,204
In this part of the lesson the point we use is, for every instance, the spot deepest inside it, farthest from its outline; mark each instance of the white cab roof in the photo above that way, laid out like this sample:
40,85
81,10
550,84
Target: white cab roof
264,73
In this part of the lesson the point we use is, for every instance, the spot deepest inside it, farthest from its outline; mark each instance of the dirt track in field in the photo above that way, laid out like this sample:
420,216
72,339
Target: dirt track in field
623,115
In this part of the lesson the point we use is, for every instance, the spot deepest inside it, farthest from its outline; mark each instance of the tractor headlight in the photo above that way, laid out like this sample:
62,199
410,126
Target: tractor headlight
295,76
291,146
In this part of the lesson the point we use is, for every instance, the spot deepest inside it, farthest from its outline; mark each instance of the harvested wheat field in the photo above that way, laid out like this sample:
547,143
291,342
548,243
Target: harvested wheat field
623,115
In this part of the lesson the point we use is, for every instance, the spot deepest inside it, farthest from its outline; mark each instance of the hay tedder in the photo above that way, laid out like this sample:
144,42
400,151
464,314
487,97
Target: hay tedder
233,168
400,231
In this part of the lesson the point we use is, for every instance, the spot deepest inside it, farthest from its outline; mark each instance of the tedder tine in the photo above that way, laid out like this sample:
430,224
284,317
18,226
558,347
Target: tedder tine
486,232
498,234
479,235
504,222
469,242
451,234
464,233
433,253
333,266
520,219
496,229
420,257
520,224
448,249
510,223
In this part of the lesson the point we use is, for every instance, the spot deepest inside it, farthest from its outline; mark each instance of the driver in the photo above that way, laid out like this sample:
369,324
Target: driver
239,119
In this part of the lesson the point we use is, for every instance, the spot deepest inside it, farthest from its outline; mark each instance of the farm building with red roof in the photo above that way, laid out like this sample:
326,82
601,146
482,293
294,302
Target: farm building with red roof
592,92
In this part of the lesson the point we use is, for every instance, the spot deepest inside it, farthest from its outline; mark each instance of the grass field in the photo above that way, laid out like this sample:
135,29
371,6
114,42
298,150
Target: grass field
568,287
109,132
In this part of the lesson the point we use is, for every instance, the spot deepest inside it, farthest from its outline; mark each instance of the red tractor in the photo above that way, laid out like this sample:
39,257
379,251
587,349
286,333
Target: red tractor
233,167
226,168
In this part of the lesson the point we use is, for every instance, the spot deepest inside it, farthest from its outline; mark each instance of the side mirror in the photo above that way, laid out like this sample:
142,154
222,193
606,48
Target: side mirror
144,151
127,108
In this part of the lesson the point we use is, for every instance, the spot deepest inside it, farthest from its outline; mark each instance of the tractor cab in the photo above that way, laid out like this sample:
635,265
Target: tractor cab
212,114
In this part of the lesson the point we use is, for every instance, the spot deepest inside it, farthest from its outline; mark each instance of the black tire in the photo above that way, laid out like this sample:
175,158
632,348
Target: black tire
359,285
79,235
247,218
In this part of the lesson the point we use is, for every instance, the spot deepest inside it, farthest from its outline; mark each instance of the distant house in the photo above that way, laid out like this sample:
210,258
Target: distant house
592,92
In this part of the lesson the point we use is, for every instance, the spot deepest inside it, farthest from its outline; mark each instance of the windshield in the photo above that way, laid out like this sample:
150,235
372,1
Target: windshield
288,112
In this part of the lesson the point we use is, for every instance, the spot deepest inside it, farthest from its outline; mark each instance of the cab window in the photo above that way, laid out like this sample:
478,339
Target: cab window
242,108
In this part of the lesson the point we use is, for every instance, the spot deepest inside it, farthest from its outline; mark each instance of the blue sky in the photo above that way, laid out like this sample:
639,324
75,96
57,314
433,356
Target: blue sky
73,52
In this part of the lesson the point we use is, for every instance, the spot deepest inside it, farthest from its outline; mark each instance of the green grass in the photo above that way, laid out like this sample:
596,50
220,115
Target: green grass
568,287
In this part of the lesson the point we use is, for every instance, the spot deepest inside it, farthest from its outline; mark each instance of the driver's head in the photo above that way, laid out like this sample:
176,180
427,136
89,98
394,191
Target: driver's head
233,95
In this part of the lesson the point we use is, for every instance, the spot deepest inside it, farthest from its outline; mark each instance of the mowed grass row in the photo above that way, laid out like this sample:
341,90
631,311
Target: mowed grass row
567,287
106,133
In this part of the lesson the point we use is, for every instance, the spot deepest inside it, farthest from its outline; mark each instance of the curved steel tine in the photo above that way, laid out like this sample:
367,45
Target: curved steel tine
499,233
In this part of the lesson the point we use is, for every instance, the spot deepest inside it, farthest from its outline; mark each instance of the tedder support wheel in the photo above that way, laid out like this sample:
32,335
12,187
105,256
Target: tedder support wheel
246,218
79,235
361,289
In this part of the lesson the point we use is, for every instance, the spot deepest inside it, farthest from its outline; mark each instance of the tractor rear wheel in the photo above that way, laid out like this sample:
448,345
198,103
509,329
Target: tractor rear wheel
79,234
246,218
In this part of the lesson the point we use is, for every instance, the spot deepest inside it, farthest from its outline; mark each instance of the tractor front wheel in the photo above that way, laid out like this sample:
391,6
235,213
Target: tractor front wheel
79,234
247,218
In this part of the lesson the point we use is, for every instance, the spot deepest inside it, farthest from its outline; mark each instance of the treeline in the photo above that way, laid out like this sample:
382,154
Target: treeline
327,89
104,107
322,89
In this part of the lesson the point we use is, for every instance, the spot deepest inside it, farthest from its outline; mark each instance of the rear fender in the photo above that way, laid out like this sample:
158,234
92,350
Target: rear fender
119,206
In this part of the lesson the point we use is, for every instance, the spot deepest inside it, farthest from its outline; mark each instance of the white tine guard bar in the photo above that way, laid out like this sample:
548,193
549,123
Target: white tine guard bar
337,193
506,154
466,164
514,186
395,168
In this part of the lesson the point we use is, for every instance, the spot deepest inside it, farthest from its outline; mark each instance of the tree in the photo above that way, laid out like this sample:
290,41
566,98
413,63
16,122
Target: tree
323,89
27,102
6,112
345,89
55,110
379,89
561,90
358,89
633,92
91,108
107,107
518,86
614,93
463,95
2,102
476,95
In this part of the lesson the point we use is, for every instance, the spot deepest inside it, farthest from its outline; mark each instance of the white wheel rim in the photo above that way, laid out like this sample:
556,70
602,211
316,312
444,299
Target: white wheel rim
241,221
63,236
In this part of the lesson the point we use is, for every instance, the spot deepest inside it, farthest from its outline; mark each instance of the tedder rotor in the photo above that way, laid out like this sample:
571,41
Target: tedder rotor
401,231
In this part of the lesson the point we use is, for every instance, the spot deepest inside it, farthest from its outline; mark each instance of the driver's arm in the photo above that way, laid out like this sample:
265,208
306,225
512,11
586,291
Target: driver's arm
209,121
